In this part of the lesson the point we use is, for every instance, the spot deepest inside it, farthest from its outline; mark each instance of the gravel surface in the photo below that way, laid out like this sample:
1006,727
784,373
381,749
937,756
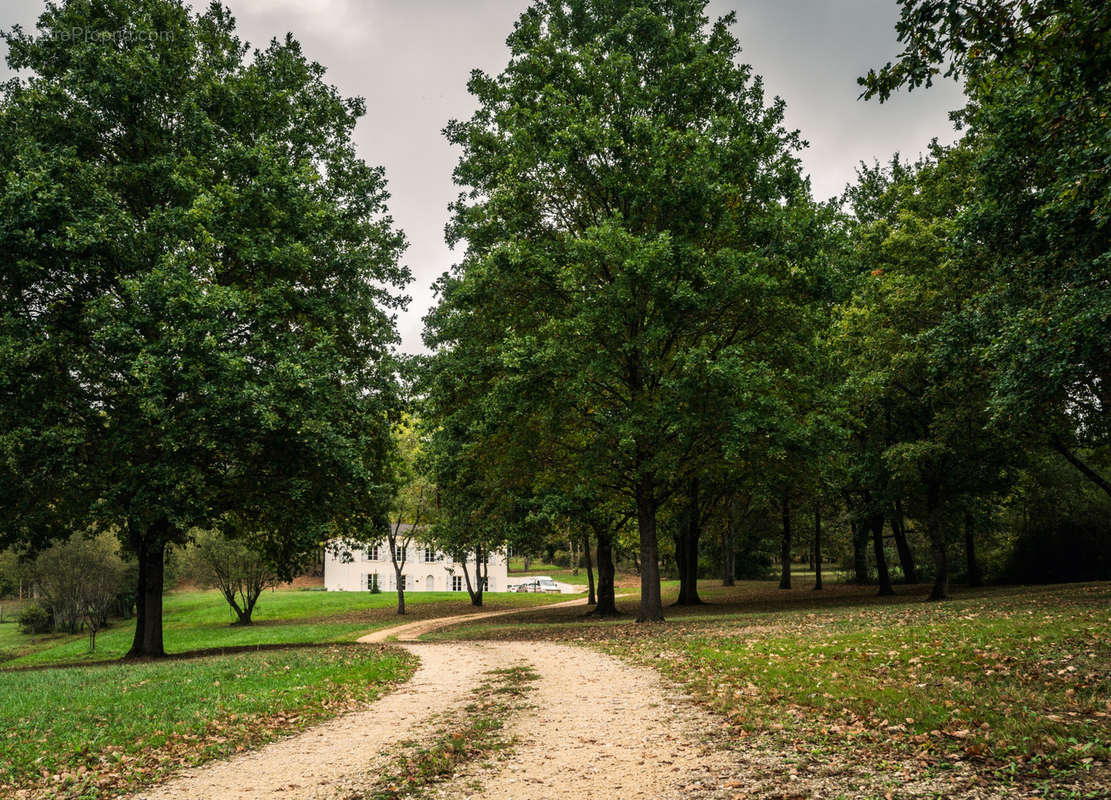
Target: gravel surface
322,760
592,720
596,728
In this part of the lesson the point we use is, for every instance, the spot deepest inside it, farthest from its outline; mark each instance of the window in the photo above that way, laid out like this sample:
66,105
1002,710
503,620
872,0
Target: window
430,555
372,582
405,583
371,553
398,553
457,583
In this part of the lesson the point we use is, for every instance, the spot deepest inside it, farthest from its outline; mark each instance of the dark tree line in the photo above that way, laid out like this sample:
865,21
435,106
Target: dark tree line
654,322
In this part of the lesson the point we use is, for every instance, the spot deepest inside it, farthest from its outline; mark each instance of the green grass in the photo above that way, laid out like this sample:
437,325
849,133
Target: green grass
555,572
87,732
92,727
202,620
1013,680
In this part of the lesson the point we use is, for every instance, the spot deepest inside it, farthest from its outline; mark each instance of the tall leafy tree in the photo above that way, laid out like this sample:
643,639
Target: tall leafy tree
632,214
195,307
1038,78
918,400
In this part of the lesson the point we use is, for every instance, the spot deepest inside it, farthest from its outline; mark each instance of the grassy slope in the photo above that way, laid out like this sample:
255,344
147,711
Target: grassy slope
202,620
95,731
1016,681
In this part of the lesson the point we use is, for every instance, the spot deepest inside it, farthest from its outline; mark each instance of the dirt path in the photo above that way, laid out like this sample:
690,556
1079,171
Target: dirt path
412,631
590,717
597,728
323,760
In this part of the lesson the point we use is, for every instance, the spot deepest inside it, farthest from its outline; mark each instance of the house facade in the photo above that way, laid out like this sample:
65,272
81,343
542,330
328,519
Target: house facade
426,570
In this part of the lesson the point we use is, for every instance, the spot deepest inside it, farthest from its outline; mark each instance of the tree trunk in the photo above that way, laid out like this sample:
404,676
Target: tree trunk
479,561
400,578
253,593
607,596
940,590
728,556
785,547
242,616
817,547
150,551
1085,470
474,593
591,597
686,549
651,604
975,578
881,557
906,556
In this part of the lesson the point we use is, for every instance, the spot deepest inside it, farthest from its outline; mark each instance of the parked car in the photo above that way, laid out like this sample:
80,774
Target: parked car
539,583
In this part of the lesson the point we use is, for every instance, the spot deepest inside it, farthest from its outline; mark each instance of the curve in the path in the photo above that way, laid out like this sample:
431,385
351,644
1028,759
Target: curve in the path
412,631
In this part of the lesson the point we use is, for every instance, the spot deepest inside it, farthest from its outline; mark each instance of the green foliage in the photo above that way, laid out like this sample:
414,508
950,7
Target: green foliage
80,579
15,573
196,313
915,398
1038,226
638,252
34,619
233,566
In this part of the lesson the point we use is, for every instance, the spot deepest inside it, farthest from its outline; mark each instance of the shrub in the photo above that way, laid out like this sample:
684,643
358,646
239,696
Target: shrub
34,619
241,572
81,579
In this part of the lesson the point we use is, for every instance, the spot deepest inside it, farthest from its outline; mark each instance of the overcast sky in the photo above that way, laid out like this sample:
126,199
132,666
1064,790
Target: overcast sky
410,59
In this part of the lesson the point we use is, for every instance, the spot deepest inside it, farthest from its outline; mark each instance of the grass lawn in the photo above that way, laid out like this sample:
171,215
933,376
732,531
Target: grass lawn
1011,682
202,620
629,580
91,728
95,731
553,571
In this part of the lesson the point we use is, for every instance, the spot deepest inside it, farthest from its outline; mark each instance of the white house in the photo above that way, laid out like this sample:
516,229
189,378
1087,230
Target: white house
426,570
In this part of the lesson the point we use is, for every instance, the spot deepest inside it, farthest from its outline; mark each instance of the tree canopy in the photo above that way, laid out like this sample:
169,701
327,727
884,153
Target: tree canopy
634,221
195,312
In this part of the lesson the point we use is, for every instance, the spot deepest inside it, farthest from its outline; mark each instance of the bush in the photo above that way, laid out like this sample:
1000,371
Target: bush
241,572
34,619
